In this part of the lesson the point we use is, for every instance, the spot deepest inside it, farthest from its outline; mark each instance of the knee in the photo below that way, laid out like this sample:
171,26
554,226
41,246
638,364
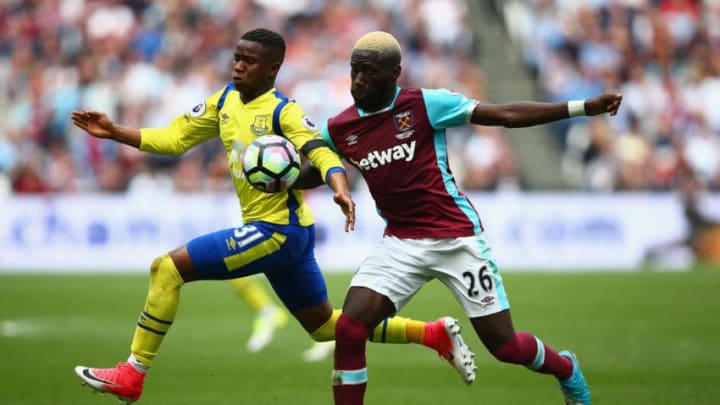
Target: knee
163,270
155,266
326,332
497,342
350,331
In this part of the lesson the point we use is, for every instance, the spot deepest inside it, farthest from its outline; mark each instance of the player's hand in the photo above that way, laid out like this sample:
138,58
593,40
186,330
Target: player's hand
94,123
606,103
348,208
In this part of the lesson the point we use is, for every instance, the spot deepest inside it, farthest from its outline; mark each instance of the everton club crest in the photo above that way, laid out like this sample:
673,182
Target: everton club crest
260,126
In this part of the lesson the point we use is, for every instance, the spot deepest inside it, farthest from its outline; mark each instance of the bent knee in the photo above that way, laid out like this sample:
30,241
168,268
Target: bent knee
163,269
155,266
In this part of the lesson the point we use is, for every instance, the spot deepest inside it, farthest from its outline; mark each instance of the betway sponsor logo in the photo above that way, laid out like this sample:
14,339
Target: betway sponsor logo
376,158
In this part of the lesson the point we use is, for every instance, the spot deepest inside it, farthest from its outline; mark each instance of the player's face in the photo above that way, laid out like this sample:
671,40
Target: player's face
254,69
373,83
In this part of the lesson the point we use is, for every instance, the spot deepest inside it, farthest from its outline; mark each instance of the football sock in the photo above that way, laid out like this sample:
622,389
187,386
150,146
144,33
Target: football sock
349,376
391,330
160,308
398,330
416,331
528,350
252,292
326,332
137,364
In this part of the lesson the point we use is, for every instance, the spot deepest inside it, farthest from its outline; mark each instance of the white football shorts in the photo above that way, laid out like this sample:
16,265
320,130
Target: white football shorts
398,268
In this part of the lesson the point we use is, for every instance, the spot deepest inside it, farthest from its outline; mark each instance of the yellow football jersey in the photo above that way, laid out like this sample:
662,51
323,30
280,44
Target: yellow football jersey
237,124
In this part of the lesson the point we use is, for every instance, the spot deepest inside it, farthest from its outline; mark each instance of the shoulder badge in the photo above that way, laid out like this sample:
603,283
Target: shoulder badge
308,124
198,110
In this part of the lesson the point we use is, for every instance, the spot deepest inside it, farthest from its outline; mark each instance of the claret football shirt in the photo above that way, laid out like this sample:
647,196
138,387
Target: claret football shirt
401,152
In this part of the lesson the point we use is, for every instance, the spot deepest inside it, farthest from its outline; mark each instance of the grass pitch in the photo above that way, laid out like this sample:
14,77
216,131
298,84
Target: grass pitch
642,338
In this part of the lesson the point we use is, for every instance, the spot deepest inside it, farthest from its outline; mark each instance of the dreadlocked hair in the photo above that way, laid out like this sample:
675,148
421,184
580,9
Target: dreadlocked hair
268,39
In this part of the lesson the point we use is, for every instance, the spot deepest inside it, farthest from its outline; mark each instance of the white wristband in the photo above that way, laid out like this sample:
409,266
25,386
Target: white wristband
576,108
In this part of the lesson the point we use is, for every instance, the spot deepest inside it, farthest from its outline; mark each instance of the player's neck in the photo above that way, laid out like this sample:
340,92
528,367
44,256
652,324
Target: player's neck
387,101
249,96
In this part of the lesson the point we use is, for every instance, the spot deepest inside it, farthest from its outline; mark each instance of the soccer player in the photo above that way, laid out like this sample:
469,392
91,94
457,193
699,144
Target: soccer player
277,237
396,138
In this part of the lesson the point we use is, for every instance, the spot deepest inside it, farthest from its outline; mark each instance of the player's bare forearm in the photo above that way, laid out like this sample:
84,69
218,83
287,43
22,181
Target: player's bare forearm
518,114
339,184
528,113
99,125
127,135
309,177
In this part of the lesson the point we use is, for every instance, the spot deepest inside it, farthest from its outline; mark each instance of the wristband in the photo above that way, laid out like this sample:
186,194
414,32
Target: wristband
576,108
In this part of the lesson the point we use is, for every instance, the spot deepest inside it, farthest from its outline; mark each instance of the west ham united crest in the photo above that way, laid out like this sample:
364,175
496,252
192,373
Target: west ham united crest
404,120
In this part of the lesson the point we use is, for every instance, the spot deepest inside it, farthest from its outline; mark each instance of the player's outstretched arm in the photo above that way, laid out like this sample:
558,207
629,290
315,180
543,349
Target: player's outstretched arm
528,113
99,125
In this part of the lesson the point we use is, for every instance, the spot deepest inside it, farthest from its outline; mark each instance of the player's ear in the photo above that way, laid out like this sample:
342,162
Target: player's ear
274,69
396,70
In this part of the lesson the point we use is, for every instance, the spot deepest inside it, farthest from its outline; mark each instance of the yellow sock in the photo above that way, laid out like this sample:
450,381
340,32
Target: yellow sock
326,331
415,331
252,292
392,330
398,330
160,308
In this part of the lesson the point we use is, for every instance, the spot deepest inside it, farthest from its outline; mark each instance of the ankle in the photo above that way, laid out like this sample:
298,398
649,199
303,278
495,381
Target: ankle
137,364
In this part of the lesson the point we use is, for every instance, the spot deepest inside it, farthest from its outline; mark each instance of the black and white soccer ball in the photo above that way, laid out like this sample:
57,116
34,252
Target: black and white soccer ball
271,163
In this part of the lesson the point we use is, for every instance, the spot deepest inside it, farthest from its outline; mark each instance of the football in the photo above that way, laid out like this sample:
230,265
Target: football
271,163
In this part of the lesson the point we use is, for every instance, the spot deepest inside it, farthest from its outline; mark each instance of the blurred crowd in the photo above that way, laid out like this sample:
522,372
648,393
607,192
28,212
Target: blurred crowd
145,62
663,55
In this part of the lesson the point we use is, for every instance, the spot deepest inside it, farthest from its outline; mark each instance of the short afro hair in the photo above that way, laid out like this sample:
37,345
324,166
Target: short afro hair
383,43
268,39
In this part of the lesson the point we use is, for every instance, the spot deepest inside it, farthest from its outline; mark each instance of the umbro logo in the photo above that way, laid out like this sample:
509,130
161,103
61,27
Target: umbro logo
224,118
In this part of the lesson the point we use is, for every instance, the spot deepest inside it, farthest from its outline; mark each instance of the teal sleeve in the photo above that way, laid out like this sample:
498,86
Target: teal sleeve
447,109
326,137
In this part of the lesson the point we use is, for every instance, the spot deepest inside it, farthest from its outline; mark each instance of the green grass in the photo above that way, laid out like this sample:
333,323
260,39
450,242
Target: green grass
642,338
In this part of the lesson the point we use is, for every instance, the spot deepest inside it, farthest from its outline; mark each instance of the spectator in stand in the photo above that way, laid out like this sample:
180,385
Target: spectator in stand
179,49
650,46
